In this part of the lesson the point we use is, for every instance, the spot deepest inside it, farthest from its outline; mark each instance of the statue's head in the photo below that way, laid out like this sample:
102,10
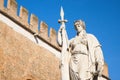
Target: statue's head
79,25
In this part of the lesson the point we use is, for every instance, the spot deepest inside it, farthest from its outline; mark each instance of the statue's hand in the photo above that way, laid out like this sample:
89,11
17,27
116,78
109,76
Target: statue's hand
100,73
62,27
100,69
95,73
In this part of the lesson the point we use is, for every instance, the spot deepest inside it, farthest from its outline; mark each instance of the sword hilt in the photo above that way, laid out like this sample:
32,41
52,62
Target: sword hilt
62,21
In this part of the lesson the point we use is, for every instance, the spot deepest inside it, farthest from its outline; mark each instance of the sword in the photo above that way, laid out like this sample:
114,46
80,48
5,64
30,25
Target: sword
64,56
63,32
62,21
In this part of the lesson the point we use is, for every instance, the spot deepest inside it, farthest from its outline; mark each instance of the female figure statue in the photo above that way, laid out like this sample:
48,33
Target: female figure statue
84,53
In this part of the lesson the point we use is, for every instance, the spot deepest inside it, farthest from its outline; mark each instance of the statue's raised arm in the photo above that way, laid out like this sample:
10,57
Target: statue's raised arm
62,35
79,57
63,42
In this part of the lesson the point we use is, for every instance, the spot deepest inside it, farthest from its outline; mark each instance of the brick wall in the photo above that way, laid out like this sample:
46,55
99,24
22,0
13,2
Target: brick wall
21,59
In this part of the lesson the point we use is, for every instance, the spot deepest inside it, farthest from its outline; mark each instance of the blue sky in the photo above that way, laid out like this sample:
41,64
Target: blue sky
102,18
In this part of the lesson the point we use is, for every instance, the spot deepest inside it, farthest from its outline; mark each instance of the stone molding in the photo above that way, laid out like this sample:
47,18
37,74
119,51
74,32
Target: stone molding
11,12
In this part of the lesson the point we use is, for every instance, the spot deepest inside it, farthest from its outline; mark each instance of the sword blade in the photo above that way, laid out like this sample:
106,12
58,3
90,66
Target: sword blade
62,13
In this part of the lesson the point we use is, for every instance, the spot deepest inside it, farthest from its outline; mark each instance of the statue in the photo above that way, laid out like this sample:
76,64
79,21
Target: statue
82,57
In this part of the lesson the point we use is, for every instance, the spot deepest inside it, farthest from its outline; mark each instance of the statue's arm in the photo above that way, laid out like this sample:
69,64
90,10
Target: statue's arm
62,36
98,50
70,44
59,37
98,54
99,58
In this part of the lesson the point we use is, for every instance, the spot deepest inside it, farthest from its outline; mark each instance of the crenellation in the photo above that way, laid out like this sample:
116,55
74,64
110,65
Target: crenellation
1,4
24,15
53,36
43,30
34,23
105,70
12,7
26,47
22,20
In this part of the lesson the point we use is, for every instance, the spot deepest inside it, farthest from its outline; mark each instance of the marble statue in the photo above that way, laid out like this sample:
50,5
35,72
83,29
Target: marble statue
81,57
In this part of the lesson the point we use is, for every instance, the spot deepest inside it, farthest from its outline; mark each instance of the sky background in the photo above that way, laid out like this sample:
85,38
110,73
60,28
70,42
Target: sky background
102,18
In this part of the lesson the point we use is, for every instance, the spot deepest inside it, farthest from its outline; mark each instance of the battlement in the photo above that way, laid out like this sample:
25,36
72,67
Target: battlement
22,19
16,51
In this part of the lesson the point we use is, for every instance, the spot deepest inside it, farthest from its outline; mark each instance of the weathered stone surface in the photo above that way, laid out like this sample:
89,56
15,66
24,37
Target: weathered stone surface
43,30
24,15
12,7
34,23
21,59
105,70
1,3
53,36
22,19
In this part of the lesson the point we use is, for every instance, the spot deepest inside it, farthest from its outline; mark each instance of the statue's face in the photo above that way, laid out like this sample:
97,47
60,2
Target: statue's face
78,27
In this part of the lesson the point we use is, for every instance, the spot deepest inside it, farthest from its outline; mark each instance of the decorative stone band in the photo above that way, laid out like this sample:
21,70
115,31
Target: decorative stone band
22,19
34,38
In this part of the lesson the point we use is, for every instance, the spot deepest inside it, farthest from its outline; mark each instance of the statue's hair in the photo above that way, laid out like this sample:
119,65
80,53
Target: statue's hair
82,23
